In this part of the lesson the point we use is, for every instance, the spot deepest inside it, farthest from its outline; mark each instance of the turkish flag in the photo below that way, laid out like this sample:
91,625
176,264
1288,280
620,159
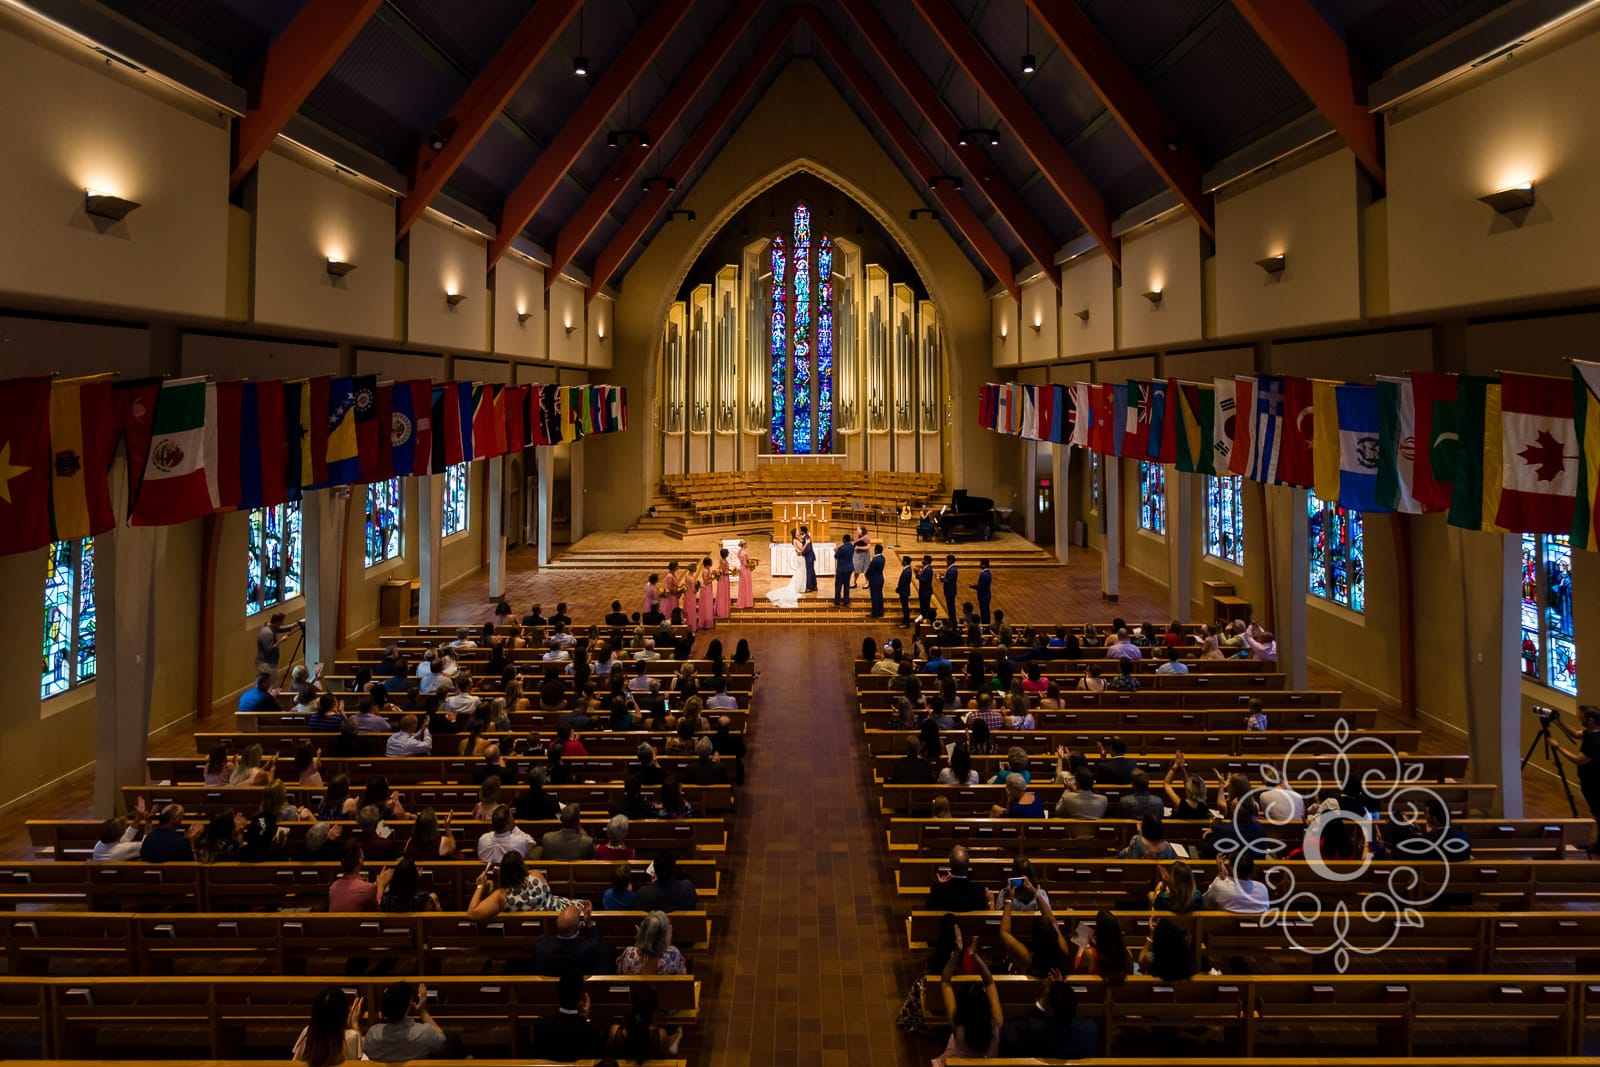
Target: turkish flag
1294,454
25,465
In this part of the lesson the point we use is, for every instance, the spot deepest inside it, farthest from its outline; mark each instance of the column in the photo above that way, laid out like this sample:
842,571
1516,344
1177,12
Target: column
126,560
1061,459
546,471
1111,510
430,510
1489,627
1289,563
497,527
323,513
579,488
1180,543
1027,508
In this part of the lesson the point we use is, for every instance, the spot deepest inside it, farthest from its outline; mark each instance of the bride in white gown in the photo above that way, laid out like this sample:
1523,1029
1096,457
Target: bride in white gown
788,595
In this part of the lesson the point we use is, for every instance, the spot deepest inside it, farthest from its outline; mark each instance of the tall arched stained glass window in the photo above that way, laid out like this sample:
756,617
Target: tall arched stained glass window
825,346
453,513
802,340
1152,497
1549,647
780,349
1225,517
272,557
1338,553
69,617
800,393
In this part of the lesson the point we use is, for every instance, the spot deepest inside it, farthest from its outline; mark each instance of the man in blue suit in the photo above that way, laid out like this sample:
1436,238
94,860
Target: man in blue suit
875,580
808,552
984,587
903,587
843,567
925,587
949,582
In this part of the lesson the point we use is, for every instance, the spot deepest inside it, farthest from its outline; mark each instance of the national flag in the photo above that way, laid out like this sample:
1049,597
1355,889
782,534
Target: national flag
1586,411
179,478
571,399
516,411
619,407
372,425
294,436
1224,423
1103,419
1136,429
263,448
314,411
1053,415
1266,436
1079,414
1325,446
1002,417
1435,397
82,438
1358,447
344,450
1241,455
1540,456
25,467
1194,410
1169,409
411,427
1397,444
1119,419
987,397
133,411
581,396
550,414
483,435
1153,404
229,460
1299,428
1475,462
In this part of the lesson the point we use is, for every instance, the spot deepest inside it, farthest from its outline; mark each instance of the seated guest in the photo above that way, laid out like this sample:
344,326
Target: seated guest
404,892
673,804
169,842
652,951
331,1037
1122,647
721,700
488,798
1174,665
503,838
493,766
620,896
568,1035
1260,645
350,891
535,803
1167,954
535,617
219,766
974,1013
250,770
1236,890
648,770
616,845
513,889
1139,801
1124,682
569,842
576,947
388,801
259,697
455,700
402,1037
1149,842
1021,802
119,838
1078,800
707,768
729,746
1176,891
913,768
556,651
953,890
960,771
553,690
438,672
1115,768
427,841
409,740
1051,1029
367,717
616,616
1020,717
665,892
1016,763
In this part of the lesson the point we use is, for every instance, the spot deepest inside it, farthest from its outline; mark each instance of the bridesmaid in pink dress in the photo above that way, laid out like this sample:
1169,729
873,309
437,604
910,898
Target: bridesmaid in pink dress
724,587
708,595
747,584
671,585
688,602
650,596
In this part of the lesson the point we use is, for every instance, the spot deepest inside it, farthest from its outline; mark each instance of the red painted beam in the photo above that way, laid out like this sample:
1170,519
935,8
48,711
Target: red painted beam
699,142
1325,70
1135,110
1030,130
1022,221
481,104
883,112
604,195
294,64
561,153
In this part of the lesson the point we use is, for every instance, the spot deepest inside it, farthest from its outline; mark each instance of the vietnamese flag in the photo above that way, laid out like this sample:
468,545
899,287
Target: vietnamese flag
25,468
82,438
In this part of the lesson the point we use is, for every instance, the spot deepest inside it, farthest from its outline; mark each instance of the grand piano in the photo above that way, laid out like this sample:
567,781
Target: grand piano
968,518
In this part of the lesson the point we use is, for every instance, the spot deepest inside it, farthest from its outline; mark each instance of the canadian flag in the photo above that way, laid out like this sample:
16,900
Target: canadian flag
1539,446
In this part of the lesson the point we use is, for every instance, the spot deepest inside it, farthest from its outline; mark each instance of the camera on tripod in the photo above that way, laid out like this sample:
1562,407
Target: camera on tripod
1547,715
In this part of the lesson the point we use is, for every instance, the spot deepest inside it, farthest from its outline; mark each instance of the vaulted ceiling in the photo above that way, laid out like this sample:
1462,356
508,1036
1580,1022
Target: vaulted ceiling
1128,99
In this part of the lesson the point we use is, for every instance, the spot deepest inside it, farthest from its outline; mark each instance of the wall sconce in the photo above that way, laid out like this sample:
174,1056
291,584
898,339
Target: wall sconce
569,328
453,298
106,206
1273,265
523,316
687,215
1037,326
602,336
1154,296
620,138
1082,314
988,135
338,268
669,184
1510,201
953,180
1002,332
916,212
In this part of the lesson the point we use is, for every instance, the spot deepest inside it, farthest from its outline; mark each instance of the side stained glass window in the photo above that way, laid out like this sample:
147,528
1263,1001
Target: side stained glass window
824,346
384,521
778,436
453,515
1094,482
1152,497
1549,649
272,557
1337,549
1225,517
69,617
800,395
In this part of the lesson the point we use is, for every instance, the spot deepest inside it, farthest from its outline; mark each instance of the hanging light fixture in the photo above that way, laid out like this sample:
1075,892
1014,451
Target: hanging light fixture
1030,62
580,64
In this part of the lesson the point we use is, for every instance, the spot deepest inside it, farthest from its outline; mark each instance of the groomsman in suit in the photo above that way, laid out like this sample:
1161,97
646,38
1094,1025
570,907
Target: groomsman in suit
984,587
903,587
875,580
925,587
949,582
843,567
808,552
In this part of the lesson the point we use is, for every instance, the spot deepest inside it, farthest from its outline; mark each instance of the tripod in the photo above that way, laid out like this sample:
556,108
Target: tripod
299,643
1552,752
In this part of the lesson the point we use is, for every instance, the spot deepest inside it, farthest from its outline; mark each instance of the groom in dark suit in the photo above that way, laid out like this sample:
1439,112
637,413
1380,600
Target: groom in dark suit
903,587
843,568
875,580
808,552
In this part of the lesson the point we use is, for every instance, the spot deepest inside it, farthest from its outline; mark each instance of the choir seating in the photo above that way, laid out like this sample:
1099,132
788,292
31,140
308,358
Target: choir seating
737,496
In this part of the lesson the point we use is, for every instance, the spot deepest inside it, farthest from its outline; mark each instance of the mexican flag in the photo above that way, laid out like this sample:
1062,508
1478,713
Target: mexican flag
179,477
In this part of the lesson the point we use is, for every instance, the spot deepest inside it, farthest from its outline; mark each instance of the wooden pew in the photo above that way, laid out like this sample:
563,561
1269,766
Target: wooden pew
1111,721
602,785
187,770
1159,699
887,746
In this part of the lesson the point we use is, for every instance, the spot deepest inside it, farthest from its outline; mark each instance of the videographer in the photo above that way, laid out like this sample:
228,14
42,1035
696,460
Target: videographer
1587,760
269,638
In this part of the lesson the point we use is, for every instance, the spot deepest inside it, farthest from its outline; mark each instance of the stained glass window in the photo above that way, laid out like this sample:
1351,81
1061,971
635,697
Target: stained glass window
800,394
1152,497
1225,517
384,521
69,617
1094,482
272,557
802,339
1337,549
1549,651
825,346
454,512
780,349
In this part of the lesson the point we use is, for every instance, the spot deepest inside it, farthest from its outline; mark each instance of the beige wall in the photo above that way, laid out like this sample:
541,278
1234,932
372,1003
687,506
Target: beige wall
1166,256
444,258
1307,211
518,289
1527,119
74,121
601,341
1039,309
566,345
1087,283
306,214
1004,335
